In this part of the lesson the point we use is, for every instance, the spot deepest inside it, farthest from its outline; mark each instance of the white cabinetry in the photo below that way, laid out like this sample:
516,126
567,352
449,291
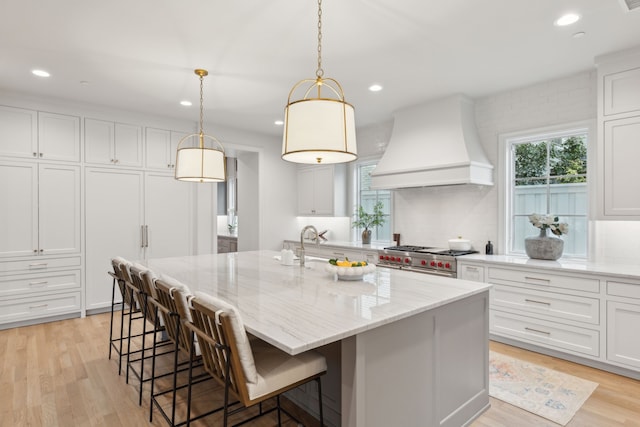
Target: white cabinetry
589,318
112,143
471,272
322,190
32,134
623,318
556,311
58,137
40,246
42,209
161,146
135,215
618,136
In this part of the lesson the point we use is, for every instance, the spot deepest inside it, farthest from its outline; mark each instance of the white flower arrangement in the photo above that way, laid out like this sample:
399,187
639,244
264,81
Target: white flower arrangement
549,221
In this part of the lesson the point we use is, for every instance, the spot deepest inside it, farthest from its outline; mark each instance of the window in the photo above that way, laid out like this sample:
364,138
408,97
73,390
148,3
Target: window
367,197
547,174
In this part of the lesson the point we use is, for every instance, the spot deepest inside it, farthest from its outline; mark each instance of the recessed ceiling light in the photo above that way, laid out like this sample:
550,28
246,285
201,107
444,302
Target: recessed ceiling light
186,103
568,19
375,87
40,73
278,123
578,35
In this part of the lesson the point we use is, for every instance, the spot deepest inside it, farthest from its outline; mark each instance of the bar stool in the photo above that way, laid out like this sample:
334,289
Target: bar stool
250,370
129,308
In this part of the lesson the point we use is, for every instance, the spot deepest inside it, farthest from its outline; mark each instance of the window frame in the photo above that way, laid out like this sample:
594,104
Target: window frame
505,181
356,235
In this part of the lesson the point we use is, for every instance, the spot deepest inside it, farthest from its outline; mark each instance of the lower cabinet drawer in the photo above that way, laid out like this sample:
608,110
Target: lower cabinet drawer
580,309
545,333
39,265
544,280
39,283
13,310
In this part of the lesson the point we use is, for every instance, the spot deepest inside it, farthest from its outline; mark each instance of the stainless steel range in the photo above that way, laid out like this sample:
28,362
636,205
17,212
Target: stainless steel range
422,259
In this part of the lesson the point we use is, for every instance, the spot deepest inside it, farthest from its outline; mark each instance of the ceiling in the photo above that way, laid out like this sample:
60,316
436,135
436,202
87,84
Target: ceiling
140,55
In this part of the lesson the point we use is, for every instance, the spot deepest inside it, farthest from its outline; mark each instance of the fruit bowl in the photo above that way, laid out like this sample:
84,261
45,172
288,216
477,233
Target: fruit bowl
350,273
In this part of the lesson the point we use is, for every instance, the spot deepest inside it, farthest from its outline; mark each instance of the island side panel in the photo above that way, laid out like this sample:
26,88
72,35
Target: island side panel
430,369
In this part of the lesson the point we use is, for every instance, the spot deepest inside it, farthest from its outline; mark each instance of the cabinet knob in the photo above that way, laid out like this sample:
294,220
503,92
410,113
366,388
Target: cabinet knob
35,154
40,154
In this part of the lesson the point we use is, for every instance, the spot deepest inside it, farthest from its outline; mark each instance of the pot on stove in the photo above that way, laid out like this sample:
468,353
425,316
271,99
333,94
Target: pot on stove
459,244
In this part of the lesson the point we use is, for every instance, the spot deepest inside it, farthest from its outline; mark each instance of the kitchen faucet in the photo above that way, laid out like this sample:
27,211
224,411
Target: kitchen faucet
307,227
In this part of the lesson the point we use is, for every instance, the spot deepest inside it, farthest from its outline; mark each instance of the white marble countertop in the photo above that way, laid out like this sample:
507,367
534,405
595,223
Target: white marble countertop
610,268
297,309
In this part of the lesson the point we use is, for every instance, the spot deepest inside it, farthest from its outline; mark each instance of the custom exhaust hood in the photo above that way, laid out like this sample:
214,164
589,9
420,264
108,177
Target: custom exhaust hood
433,144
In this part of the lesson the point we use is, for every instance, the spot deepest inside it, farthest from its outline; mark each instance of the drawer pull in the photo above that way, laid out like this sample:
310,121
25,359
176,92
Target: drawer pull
472,268
537,279
38,265
537,330
34,307
42,283
537,302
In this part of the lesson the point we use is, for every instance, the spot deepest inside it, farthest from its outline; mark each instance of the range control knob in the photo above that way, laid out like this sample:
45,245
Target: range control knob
440,264
407,260
381,257
423,262
386,257
447,266
432,264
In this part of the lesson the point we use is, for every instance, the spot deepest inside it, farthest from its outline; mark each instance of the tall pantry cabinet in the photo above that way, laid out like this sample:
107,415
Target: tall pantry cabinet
136,213
40,215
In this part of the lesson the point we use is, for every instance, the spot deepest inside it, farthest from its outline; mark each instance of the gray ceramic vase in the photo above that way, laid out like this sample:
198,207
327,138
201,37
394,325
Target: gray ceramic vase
544,246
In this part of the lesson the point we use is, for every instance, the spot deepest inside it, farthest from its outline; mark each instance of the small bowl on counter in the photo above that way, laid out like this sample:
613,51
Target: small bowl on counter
350,273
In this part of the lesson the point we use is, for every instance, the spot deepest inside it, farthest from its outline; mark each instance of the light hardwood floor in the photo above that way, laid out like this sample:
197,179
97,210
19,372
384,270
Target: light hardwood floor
58,374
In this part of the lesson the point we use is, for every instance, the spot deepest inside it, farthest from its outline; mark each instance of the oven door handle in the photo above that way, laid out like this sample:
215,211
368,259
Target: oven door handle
433,272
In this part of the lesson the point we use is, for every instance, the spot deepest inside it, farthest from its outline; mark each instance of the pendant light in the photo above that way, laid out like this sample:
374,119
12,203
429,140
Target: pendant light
194,160
319,127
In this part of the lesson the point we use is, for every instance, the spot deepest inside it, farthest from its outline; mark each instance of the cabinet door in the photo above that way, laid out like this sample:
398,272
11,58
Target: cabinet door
622,92
323,190
621,151
58,137
168,216
471,272
18,132
98,141
158,144
623,345
114,217
306,184
59,209
128,145
19,212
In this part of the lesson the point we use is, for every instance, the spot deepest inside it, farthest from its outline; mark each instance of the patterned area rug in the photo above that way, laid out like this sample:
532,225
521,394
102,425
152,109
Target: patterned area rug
542,391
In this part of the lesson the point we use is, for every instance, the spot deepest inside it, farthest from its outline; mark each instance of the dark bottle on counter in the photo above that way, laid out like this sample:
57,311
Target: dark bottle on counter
488,249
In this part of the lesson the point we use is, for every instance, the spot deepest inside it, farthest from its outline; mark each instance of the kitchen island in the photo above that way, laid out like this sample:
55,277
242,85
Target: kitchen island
413,347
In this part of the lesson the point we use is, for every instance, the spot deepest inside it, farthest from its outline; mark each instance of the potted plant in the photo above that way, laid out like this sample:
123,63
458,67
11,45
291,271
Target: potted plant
365,220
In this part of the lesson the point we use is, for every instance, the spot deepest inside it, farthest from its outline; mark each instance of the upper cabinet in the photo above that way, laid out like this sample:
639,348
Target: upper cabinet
618,136
31,134
322,190
161,146
110,143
